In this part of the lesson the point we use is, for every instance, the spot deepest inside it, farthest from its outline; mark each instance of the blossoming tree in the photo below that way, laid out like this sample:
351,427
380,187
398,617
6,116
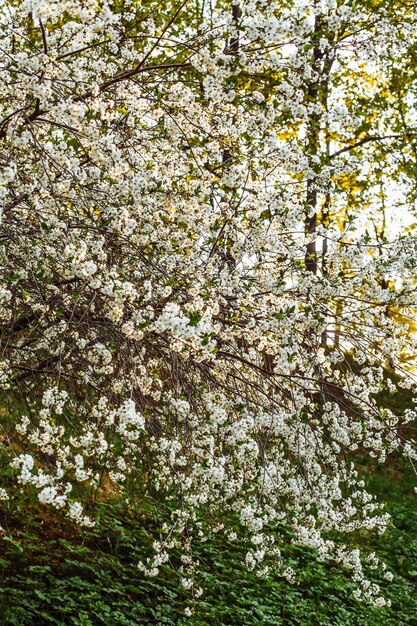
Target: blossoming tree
205,244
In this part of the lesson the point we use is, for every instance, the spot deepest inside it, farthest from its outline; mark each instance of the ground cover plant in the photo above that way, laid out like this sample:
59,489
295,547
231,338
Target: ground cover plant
207,278
53,574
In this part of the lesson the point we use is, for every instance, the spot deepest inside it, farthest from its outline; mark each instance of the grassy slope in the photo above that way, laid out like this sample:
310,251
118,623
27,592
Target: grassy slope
51,573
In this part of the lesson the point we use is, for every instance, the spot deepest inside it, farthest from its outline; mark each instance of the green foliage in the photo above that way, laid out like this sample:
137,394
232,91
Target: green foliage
52,573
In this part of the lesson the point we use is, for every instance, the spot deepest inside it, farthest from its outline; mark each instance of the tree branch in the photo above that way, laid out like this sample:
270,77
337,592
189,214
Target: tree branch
367,139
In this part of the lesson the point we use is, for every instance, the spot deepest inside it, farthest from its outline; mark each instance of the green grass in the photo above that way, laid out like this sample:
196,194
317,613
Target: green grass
54,573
